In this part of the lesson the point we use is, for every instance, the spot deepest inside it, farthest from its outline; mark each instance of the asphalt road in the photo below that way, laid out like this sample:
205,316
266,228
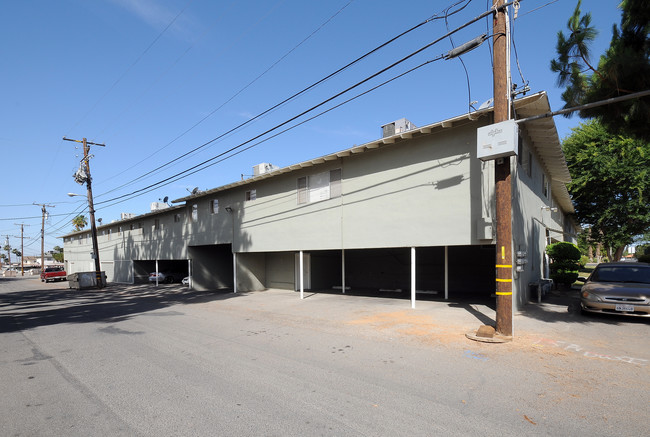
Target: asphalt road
136,360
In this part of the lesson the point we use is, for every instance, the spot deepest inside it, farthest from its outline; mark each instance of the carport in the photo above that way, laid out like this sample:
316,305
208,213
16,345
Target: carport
142,268
212,266
457,272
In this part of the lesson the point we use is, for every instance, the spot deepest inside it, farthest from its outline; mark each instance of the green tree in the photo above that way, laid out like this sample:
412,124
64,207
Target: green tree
7,248
623,69
17,252
610,182
79,222
57,254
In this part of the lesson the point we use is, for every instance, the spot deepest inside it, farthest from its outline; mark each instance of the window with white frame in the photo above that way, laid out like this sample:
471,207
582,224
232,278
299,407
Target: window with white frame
156,224
214,206
177,217
251,195
320,186
195,213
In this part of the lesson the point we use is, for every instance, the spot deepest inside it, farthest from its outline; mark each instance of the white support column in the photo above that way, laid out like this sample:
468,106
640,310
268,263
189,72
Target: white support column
412,277
156,273
189,273
234,272
302,277
446,272
343,271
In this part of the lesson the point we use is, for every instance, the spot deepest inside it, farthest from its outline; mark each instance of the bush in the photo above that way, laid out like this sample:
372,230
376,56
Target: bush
563,250
584,259
644,258
565,262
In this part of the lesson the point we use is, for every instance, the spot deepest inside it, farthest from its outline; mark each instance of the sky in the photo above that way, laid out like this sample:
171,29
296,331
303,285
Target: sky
166,85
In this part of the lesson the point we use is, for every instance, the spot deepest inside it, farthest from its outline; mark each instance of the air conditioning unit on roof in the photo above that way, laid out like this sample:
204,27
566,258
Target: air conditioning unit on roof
396,127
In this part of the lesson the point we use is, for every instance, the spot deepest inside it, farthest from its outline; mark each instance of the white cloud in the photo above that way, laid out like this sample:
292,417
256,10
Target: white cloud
149,11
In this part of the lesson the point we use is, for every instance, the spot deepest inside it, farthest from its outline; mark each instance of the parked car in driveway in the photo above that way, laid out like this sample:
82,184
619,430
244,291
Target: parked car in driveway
166,277
617,288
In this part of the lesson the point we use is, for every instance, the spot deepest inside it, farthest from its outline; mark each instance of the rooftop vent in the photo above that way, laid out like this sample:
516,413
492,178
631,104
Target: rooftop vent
397,127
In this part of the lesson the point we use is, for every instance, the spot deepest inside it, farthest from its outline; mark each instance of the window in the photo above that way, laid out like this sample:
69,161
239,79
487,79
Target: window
177,217
321,186
195,213
545,187
525,157
251,195
214,206
131,227
119,230
156,224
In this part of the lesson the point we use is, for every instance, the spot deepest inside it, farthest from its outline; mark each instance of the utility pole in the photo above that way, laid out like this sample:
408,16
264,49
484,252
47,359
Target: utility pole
81,178
22,248
43,214
502,179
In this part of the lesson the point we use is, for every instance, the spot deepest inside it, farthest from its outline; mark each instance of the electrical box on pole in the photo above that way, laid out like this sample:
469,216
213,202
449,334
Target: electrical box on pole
497,140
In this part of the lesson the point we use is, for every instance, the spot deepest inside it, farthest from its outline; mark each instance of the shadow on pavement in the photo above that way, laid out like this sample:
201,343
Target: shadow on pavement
20,310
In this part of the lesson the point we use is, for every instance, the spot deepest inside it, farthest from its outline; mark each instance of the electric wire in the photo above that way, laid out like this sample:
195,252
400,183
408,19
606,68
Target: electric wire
231,97
469,89
137,194
537,8
457,29
290,98
514,46
119,79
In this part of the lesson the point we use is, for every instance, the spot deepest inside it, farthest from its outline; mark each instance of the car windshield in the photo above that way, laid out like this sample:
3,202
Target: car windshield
639,274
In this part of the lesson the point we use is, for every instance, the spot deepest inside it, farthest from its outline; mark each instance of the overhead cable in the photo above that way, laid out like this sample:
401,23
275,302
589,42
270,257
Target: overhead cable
277,105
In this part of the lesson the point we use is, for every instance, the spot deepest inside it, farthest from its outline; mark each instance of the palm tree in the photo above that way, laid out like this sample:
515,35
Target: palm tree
79,222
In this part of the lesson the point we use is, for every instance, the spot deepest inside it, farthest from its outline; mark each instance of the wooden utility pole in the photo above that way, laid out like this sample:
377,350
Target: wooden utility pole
91,208
43,214
22,248
502,180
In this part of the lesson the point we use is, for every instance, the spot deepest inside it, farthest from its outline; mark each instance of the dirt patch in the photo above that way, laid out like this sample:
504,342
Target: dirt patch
420,327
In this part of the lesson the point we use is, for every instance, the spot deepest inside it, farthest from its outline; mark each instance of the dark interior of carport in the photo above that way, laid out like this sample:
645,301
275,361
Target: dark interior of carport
142,268
387,272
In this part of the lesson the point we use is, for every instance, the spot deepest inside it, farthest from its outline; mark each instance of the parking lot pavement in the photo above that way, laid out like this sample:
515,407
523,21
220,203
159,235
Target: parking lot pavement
140,359
553,326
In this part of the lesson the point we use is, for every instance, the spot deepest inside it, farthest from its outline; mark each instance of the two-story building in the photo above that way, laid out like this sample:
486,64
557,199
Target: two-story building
412,211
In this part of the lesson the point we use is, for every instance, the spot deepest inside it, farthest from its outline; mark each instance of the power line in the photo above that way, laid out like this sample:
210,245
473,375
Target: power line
304,90
119,79
421,49
139,193
211,113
